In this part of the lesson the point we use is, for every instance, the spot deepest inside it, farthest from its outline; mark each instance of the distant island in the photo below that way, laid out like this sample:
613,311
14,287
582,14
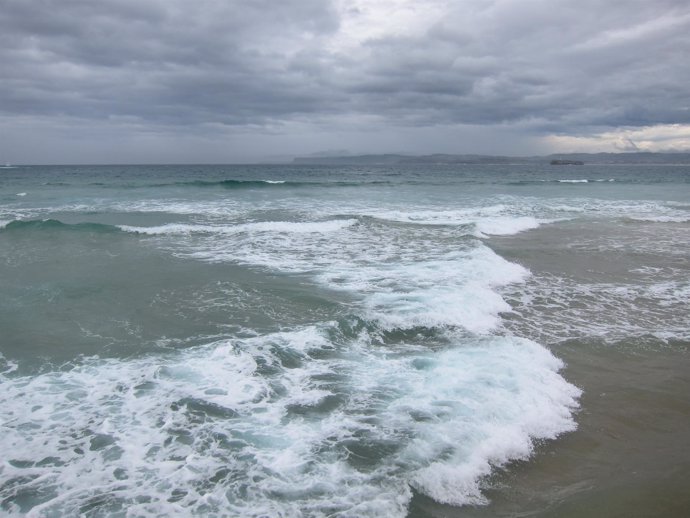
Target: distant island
449,159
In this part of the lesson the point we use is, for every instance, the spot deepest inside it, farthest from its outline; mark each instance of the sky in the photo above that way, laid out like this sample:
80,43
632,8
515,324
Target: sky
223,81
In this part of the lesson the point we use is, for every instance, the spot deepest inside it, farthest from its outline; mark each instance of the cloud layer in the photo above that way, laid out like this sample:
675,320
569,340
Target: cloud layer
263,74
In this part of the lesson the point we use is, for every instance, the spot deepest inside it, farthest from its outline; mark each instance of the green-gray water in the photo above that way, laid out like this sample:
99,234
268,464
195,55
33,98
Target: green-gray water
343,341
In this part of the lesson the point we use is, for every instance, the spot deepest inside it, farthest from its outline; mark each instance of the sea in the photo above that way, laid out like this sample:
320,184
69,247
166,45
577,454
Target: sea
345,341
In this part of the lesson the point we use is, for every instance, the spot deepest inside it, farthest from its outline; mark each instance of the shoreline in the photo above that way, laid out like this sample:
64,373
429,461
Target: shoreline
628,456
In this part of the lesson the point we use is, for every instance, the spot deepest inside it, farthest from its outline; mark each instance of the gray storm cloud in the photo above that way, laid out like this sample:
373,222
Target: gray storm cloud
264,72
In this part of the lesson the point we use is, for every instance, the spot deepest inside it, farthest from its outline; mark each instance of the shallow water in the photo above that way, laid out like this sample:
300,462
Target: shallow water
339,341
629,455
624,339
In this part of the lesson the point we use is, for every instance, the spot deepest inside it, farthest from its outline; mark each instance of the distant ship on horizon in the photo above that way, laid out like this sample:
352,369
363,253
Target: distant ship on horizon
567,162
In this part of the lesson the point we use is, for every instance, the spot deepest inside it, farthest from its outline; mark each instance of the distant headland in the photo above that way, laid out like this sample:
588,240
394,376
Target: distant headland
449,159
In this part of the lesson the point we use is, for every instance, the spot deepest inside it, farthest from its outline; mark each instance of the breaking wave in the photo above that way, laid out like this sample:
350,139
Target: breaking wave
55,225
289,424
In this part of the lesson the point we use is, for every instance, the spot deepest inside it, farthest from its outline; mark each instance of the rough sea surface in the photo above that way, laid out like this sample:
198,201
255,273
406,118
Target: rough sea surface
287,341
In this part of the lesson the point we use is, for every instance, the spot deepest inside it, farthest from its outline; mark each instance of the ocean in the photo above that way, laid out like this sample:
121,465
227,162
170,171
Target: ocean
343,341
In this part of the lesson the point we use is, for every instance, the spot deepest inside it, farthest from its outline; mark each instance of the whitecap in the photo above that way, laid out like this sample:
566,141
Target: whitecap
455,289
218,430
262,226
504,226
662,219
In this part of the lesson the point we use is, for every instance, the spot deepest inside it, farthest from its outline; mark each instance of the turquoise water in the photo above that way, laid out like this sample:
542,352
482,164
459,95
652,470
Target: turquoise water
312,341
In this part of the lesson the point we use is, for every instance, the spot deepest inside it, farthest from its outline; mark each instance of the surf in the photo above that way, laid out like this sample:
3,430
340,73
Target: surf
54,225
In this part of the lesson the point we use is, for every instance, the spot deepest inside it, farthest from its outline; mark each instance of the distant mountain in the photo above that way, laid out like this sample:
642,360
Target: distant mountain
587,158
465,159
391,159
352,160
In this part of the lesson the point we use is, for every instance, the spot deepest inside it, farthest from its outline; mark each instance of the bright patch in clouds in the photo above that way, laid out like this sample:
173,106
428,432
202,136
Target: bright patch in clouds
365,20
659,138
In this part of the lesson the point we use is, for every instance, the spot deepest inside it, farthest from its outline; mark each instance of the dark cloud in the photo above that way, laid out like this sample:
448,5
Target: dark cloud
163,61
588,63
545,66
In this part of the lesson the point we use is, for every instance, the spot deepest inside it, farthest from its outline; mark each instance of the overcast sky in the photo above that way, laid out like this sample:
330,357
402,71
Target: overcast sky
102,81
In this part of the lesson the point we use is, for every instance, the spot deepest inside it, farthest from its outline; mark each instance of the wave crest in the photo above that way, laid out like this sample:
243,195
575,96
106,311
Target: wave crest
56,225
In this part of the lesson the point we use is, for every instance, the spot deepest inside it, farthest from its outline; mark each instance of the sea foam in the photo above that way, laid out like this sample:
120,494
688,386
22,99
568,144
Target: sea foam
498,219
262,226
504,226
402,283
456,289
278,425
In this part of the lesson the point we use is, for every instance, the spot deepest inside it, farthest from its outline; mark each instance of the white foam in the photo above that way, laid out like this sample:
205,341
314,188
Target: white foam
581,208
404,277
138,407
21,194
263,226
7,367
470,409
662,219
213,430
455,289
171,229
464,216
669,292
497,219
573,181
504,226
276,425
522,399
553,308
208,208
